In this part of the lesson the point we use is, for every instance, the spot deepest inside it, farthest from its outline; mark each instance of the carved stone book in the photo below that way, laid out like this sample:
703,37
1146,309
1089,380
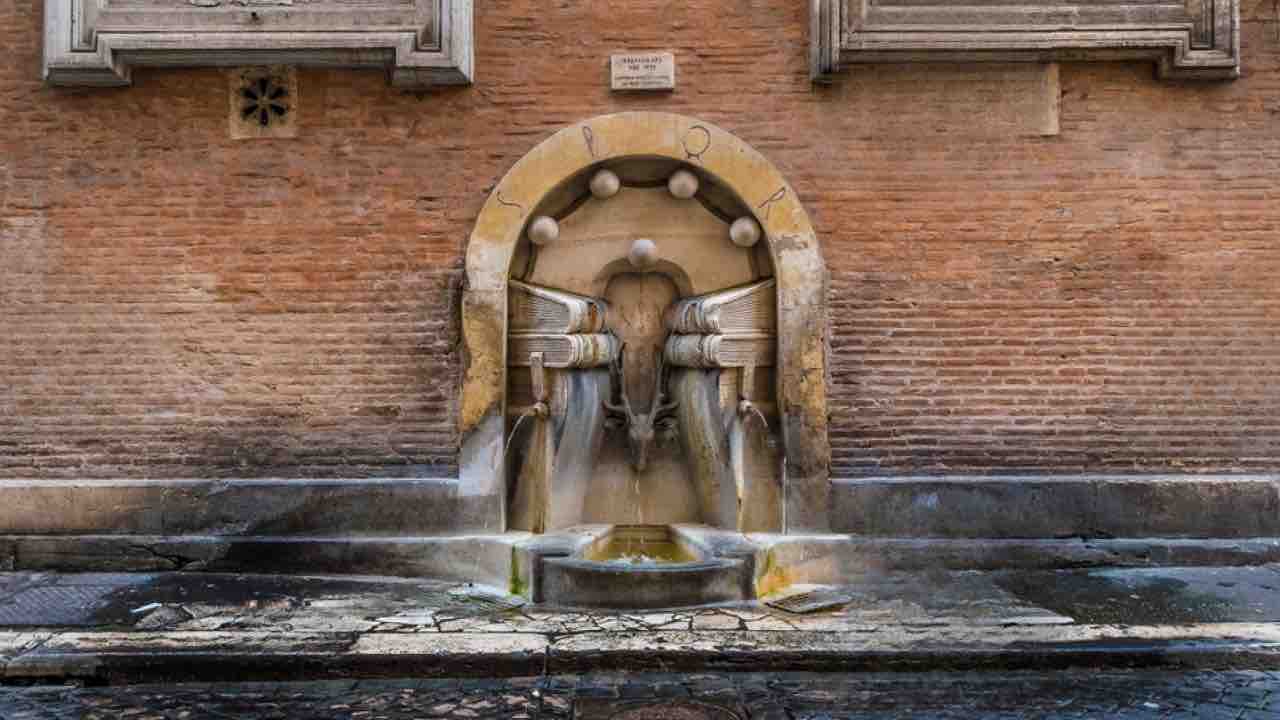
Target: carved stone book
743,309
537,309
560,350
722,351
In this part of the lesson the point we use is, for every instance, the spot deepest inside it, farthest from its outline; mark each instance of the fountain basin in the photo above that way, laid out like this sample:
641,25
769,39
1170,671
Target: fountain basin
643,567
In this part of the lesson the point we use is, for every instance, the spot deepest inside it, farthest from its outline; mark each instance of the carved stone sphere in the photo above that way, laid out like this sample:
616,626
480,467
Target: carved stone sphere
643,253
683,184
543,230
605,184
744,232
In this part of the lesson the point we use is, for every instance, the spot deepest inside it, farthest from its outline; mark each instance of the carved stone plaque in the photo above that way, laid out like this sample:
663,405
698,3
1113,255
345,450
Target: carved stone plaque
642,71
1188,39
98,42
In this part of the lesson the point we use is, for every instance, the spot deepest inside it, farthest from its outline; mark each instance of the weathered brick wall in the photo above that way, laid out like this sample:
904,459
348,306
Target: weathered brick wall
173,302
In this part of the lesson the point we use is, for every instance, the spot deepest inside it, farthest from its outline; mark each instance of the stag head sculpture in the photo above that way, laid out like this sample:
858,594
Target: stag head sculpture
641,425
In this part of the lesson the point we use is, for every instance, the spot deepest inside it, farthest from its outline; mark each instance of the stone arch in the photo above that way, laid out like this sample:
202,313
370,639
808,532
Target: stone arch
793,247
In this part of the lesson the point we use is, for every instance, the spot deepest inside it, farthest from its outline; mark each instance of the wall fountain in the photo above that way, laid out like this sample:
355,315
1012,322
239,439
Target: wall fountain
648,413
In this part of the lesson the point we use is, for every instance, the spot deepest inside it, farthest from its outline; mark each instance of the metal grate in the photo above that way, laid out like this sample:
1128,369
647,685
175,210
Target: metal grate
55,605
469,600
808,601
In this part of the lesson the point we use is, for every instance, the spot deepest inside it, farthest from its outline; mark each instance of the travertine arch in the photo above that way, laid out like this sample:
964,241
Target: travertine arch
797,261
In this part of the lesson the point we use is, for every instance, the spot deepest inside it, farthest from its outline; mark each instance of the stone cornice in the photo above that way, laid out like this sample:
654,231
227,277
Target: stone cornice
97,42
1192,40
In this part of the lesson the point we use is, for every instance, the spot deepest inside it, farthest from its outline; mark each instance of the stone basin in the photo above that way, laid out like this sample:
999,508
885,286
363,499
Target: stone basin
643,567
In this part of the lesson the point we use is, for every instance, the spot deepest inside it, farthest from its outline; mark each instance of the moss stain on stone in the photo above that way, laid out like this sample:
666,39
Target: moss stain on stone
516,585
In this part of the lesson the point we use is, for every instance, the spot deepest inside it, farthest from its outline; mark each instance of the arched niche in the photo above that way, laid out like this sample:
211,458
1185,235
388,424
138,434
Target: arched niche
539,178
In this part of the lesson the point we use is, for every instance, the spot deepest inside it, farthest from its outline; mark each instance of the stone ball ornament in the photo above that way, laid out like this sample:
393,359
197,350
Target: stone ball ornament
745,232
683,184
605,184
643,253
543,230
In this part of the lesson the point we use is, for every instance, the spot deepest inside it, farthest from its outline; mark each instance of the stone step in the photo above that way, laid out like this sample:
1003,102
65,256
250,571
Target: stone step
1054,506
121,658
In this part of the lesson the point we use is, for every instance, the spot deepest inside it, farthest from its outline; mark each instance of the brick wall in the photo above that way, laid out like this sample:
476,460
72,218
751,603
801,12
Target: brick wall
175,303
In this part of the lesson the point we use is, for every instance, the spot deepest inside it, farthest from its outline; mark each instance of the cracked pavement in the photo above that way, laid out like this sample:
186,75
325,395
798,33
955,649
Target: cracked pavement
186,627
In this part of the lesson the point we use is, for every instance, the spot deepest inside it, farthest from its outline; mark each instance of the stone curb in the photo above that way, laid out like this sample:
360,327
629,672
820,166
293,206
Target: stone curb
272,655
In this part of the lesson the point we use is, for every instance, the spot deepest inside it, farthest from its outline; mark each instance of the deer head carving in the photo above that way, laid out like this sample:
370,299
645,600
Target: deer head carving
641,425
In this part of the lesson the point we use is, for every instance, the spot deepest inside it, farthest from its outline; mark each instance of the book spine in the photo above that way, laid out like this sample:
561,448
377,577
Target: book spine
720,351
561,350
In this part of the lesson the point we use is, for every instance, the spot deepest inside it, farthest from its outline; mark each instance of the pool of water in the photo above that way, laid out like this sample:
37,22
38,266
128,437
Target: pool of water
640,545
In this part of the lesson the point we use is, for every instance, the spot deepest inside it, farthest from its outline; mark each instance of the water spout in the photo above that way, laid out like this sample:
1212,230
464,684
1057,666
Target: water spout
738,444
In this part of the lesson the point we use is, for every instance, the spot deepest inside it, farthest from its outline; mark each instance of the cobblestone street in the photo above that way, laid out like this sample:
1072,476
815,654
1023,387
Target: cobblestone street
757,696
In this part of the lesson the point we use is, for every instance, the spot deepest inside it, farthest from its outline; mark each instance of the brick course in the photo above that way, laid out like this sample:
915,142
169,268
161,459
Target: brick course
176,303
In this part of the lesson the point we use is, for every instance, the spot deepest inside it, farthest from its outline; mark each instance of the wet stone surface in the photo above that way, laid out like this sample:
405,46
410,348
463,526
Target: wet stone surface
755,696
237,602
1152,595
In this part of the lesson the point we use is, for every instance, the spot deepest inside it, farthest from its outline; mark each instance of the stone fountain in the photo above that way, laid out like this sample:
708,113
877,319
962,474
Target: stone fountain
641,426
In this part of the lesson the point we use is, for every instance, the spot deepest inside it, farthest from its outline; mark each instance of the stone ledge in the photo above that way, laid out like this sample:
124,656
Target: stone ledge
470,558
312,507
780,560
1047,506
826,559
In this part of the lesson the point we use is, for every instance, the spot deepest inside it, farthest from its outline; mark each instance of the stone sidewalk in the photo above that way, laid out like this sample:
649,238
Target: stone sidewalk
202,626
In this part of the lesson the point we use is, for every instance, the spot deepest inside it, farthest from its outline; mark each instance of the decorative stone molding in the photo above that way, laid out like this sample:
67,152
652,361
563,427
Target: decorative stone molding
786,232
98,42
1189,40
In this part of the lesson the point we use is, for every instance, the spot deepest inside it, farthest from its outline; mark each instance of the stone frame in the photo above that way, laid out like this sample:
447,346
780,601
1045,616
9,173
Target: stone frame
97,42
1198,40
798,267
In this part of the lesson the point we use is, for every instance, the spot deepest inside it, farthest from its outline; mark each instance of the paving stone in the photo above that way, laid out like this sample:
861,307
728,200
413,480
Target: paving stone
751,696
1246,697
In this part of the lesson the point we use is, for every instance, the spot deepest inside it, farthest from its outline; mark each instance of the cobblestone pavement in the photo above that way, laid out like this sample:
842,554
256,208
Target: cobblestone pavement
779,696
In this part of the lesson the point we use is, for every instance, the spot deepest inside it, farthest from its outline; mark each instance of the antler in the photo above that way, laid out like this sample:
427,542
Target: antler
625,407
659,387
